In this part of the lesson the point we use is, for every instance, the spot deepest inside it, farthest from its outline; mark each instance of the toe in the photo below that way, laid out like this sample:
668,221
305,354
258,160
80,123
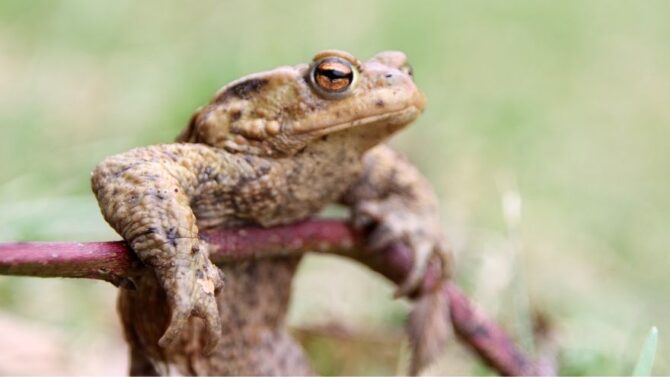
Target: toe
381,237
178,321
445,257
209,312
422,254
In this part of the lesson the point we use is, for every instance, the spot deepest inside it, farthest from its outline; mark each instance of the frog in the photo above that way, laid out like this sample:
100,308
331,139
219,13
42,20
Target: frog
271,148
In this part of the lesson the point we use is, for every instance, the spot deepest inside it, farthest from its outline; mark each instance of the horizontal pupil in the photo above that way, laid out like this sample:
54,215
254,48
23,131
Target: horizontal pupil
335,74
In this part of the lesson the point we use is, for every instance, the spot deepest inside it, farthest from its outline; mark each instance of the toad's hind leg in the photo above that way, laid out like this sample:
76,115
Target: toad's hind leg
140,365
143,320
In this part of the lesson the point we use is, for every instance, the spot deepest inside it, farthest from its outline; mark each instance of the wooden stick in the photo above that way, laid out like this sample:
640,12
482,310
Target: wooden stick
114,262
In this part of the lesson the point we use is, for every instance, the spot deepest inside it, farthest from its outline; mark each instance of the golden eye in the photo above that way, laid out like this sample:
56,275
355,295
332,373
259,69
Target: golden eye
333,76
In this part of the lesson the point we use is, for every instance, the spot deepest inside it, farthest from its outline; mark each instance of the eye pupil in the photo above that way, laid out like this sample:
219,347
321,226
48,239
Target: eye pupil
333,75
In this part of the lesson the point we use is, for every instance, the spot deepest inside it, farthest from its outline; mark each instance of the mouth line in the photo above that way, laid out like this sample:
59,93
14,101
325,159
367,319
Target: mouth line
358,122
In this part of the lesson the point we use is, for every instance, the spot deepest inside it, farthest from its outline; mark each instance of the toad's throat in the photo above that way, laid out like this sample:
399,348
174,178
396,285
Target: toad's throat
399,118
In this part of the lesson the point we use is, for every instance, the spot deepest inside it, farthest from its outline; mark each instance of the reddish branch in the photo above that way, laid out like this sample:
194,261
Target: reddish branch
113,262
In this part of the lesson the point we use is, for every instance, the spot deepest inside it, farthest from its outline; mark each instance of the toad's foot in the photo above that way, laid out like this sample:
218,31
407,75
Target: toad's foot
190,281
389,220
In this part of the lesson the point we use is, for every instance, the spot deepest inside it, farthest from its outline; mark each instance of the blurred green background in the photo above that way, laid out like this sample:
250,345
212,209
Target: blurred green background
563,105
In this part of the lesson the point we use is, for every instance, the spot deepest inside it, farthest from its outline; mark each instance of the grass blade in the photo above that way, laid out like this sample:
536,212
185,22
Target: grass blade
646,360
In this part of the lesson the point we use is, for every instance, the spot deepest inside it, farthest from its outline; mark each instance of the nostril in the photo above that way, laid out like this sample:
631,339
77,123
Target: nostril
388,75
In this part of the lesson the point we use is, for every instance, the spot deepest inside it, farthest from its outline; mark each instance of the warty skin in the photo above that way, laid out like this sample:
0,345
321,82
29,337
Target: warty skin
271,148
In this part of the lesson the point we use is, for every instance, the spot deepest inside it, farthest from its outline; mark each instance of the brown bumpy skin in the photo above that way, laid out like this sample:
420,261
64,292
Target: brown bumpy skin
271,148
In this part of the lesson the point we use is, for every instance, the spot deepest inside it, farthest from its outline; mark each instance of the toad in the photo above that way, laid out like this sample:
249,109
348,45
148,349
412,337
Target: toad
271,148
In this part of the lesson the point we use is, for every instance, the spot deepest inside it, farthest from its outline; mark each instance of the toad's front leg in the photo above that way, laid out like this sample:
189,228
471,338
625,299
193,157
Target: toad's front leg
394,203
144,195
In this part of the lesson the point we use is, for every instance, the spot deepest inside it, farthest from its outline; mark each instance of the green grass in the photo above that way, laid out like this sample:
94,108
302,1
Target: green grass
645,361
567,99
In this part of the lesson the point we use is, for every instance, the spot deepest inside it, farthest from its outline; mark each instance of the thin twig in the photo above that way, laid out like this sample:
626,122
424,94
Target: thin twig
114,262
